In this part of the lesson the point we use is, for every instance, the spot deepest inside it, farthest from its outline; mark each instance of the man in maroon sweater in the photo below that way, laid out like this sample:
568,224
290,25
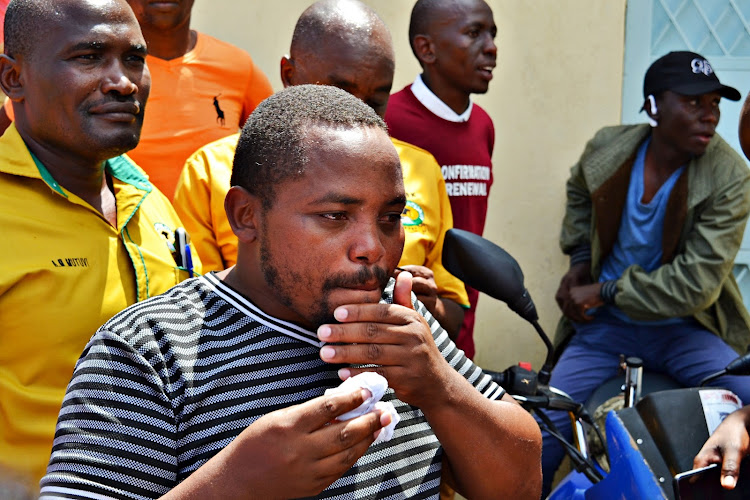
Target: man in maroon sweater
454,42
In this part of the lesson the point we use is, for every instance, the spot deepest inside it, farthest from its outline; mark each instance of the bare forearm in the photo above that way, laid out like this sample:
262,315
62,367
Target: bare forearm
497,454
214,480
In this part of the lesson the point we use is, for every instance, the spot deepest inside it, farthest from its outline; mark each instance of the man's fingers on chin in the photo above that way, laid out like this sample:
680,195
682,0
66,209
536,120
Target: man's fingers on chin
362,340
393,352
393,314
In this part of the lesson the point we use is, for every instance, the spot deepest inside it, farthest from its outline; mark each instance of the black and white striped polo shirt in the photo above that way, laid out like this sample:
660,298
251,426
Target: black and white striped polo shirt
169,382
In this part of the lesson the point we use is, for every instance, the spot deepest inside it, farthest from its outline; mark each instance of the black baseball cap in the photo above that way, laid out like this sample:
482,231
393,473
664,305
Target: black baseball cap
685,73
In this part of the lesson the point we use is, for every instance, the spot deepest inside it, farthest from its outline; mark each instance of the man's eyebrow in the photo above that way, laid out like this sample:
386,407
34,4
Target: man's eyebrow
338,198
398,200
91,45
97,45
343,199
480,24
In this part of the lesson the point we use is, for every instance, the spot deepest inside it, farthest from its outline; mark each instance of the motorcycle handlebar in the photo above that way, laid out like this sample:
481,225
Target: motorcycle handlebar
552,401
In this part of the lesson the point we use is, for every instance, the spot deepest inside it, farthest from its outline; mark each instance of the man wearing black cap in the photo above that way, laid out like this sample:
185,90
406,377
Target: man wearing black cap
655,216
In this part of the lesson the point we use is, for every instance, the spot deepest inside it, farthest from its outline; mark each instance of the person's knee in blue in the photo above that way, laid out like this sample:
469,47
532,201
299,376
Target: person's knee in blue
679,350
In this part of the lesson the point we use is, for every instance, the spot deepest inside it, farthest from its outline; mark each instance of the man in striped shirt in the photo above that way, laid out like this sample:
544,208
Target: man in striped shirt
215,388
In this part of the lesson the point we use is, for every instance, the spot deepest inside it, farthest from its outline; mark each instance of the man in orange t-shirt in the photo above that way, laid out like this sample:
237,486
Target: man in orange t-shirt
202,89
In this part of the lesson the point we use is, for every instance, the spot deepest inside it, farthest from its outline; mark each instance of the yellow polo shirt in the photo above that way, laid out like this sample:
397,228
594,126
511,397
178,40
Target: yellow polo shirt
204,182
64,270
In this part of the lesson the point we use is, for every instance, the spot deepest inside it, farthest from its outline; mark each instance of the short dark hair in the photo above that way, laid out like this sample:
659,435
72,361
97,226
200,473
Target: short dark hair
421,19
271,148
24,25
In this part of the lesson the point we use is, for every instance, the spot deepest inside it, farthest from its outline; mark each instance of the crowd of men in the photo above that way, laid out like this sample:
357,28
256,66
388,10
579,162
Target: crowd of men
321,182
178,294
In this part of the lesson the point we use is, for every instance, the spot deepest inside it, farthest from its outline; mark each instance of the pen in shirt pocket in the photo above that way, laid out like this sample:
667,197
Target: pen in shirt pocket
183,254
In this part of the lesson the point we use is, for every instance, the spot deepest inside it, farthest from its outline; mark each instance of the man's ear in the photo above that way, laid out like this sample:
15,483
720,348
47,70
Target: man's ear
11,80
287,71
652,112
424,49
243,213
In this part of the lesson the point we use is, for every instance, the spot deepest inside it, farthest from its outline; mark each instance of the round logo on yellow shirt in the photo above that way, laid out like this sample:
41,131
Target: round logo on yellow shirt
166,231
413,215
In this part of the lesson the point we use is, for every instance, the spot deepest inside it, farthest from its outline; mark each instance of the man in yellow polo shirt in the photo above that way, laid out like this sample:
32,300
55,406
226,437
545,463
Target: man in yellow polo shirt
350,48
84,233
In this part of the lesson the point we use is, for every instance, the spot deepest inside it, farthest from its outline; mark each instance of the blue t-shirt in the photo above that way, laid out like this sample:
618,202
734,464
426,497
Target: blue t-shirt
639,239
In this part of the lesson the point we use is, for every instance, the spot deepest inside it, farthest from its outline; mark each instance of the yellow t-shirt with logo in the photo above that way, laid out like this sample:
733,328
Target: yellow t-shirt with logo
426,218
204,182
64,271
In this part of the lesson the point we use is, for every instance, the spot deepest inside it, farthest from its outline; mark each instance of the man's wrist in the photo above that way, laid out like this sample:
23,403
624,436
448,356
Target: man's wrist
580,254
608,291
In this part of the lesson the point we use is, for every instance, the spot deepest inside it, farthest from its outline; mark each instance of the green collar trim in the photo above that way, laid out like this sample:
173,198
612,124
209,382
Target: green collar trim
120,167
124,169
46,176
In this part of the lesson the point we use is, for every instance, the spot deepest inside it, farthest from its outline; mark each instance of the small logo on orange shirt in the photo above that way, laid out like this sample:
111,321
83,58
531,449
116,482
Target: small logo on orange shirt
219,111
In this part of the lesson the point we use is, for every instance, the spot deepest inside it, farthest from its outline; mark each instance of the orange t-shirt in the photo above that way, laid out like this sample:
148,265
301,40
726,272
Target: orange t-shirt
195,99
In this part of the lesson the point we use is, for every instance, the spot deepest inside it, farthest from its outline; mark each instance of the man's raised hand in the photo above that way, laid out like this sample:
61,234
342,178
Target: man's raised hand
395,338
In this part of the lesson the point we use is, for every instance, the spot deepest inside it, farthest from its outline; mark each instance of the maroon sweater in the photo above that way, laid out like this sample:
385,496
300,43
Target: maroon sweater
463,150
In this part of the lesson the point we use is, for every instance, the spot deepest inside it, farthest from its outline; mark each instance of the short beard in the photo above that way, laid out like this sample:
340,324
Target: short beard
322,312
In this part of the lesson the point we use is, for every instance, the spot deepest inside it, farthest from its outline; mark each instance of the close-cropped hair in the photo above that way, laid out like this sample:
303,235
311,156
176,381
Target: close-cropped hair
272,148
24,25
421,18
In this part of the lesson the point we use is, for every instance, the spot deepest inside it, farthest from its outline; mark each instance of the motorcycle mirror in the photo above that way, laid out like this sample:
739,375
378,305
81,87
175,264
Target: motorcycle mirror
488,268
